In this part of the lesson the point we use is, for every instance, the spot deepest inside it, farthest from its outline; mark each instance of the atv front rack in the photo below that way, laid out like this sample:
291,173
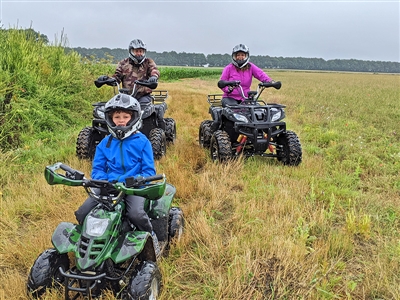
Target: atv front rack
215,100
159,96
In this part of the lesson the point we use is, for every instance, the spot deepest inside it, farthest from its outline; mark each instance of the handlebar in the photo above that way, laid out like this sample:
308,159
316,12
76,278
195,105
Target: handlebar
252,95
275,84
74,177
223,83
104,79
151,85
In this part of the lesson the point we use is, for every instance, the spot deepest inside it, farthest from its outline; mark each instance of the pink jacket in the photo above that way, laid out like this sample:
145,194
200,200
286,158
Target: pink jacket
245,77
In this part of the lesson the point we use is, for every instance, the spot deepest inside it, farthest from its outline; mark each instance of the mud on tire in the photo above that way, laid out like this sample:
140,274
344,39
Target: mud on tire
290,153
158,142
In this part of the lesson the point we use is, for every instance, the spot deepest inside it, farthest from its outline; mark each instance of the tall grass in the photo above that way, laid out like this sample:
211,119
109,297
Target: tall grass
41,89
327,229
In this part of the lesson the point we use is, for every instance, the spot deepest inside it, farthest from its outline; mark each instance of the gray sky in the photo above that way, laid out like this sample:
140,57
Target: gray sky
366,30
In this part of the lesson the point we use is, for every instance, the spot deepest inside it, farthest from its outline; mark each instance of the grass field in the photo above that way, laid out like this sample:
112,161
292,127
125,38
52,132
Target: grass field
255,229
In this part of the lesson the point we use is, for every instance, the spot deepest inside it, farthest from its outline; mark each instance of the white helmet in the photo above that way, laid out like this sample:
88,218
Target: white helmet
240,48
123,102
137,44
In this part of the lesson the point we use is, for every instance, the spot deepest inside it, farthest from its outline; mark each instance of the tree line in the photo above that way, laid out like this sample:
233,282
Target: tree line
173,58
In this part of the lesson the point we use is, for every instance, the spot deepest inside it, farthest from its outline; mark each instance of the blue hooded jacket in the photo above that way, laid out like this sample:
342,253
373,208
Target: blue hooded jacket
125,158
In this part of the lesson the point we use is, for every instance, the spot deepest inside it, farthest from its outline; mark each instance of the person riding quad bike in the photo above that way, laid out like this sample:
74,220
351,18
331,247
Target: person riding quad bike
90,136
106,252
138,75
124,225
250,127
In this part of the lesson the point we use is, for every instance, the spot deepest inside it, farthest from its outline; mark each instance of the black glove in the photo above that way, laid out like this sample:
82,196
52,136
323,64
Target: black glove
230,89
103,78
152,79
112,81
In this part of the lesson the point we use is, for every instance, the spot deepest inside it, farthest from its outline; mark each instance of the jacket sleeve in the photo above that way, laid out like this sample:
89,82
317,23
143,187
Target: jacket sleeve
260,74
153,70
99,166
148,168
118,74
225,76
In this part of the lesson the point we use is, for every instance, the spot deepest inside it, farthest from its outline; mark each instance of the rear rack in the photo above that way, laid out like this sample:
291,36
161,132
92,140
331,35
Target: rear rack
159,96
215,100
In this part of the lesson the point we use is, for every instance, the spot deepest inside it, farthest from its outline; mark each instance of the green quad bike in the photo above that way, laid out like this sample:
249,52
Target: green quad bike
250,128
106,252
160,136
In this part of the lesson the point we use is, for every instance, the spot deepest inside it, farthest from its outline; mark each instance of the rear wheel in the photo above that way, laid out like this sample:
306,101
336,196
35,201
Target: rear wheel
86,143
158,142
289,149
205,133
176,224
220,146
147,282
45,272
170,130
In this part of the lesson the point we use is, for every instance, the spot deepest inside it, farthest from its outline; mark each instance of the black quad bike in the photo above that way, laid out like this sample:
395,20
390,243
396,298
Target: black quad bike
107,252
250,128
153,114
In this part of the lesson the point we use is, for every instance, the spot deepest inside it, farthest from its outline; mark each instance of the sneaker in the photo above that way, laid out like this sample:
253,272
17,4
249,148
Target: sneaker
155,243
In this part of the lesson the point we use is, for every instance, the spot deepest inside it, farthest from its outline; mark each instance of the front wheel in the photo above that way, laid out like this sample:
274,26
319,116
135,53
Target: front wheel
158,142
146,284
289,149
170,130
45,272
220,146
86,143
176,224
205,133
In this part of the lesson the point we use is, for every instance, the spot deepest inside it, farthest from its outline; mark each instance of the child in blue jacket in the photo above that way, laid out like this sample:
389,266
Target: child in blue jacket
126,152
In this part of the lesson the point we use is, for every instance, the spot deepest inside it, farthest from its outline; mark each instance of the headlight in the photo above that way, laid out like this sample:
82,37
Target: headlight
95,226
276,114
241,118
99,112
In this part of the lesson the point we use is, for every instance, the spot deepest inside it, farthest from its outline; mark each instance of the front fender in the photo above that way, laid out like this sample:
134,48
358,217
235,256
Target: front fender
160,208
66,237
147,110
131,244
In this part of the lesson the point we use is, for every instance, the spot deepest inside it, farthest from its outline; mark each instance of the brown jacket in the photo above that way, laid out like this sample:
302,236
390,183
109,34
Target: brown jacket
127,72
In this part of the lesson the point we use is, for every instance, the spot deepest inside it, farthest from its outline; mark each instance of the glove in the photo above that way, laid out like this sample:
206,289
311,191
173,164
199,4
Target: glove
103,78
152,79
112,81
230,89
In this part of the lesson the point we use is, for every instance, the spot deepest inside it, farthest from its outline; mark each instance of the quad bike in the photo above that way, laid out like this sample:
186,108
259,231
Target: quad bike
106,251
159,134
250,128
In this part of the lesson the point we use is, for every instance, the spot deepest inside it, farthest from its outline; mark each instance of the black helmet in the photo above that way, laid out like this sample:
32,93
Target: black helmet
240,48
137,44
123,102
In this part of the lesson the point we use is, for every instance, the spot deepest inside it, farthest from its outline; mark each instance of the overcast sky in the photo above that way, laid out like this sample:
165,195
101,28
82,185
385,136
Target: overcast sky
366,30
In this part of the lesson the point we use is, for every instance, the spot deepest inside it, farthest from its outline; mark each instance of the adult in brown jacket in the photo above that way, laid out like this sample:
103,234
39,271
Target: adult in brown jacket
137,67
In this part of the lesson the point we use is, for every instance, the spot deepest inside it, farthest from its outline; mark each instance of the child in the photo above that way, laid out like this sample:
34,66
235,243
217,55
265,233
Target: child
126,152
